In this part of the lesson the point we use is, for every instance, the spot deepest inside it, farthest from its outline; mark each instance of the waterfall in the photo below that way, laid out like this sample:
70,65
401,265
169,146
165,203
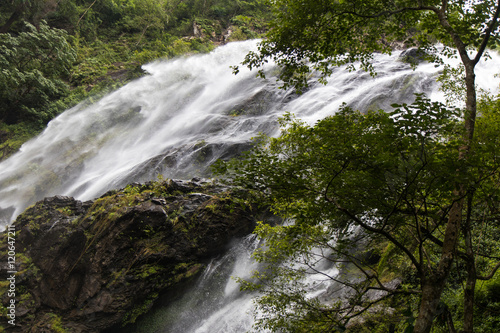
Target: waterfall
214,303
183,116
176,121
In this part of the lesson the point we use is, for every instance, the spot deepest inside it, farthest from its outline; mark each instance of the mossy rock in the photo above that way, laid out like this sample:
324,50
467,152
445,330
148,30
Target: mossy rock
88,266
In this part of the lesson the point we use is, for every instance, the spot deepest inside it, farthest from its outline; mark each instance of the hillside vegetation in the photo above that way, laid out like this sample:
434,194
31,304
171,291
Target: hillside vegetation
54,54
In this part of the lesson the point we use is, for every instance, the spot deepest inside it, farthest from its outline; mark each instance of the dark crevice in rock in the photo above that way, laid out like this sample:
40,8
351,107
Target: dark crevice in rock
89,266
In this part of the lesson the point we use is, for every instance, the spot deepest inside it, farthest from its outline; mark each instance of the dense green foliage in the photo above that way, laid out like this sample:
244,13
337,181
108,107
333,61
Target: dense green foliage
331,33
53,54
33,64
315,36
378,182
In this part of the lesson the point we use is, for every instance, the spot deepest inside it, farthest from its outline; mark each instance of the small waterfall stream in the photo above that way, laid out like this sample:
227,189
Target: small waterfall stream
176,121
214,303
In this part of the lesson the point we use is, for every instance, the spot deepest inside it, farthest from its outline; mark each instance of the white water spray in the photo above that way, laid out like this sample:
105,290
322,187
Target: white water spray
182,117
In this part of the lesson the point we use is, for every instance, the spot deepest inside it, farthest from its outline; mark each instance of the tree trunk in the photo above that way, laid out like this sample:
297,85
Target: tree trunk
470,287
433,285
432,288
470,119
13,18
470,264
470,105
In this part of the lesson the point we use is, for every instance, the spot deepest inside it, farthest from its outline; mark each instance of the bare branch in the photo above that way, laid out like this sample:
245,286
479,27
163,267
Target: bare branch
491,274
392,12
487,36
85,12
387,235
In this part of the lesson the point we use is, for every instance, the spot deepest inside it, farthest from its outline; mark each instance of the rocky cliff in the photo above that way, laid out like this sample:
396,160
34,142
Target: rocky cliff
88,266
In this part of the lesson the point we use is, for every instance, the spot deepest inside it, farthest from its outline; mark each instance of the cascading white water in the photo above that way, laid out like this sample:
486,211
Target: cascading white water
183,116
174,121
214,304
178,120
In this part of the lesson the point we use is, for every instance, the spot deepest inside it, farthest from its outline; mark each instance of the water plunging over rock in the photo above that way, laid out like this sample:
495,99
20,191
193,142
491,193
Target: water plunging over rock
95,264
179,119
90,264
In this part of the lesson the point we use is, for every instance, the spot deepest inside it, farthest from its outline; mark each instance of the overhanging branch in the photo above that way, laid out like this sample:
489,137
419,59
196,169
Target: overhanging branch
378,231
491,274
487,36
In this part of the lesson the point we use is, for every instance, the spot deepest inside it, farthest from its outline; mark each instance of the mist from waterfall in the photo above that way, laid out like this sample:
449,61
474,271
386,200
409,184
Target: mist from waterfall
176,121
180,118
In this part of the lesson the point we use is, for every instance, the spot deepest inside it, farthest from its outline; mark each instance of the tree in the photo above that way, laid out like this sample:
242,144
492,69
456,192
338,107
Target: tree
18,8
385,180
145,14
317,35
31,10
32,64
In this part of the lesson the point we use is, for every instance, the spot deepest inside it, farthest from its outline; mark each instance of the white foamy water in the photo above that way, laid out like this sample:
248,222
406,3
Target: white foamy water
183,116
176,121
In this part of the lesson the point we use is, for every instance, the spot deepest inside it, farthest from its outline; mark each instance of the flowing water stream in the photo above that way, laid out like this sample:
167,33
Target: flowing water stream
176,121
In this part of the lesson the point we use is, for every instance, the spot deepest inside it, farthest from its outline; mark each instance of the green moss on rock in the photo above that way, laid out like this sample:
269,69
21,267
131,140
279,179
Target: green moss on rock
89,264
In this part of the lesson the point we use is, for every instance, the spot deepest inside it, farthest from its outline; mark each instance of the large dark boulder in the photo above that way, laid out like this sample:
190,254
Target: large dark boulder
88,266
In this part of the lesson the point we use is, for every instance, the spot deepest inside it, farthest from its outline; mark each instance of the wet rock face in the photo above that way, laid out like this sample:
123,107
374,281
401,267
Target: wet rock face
413,56
88,266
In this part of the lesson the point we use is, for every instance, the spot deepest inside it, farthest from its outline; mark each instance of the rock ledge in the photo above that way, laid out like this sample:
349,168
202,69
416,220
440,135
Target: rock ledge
89,266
